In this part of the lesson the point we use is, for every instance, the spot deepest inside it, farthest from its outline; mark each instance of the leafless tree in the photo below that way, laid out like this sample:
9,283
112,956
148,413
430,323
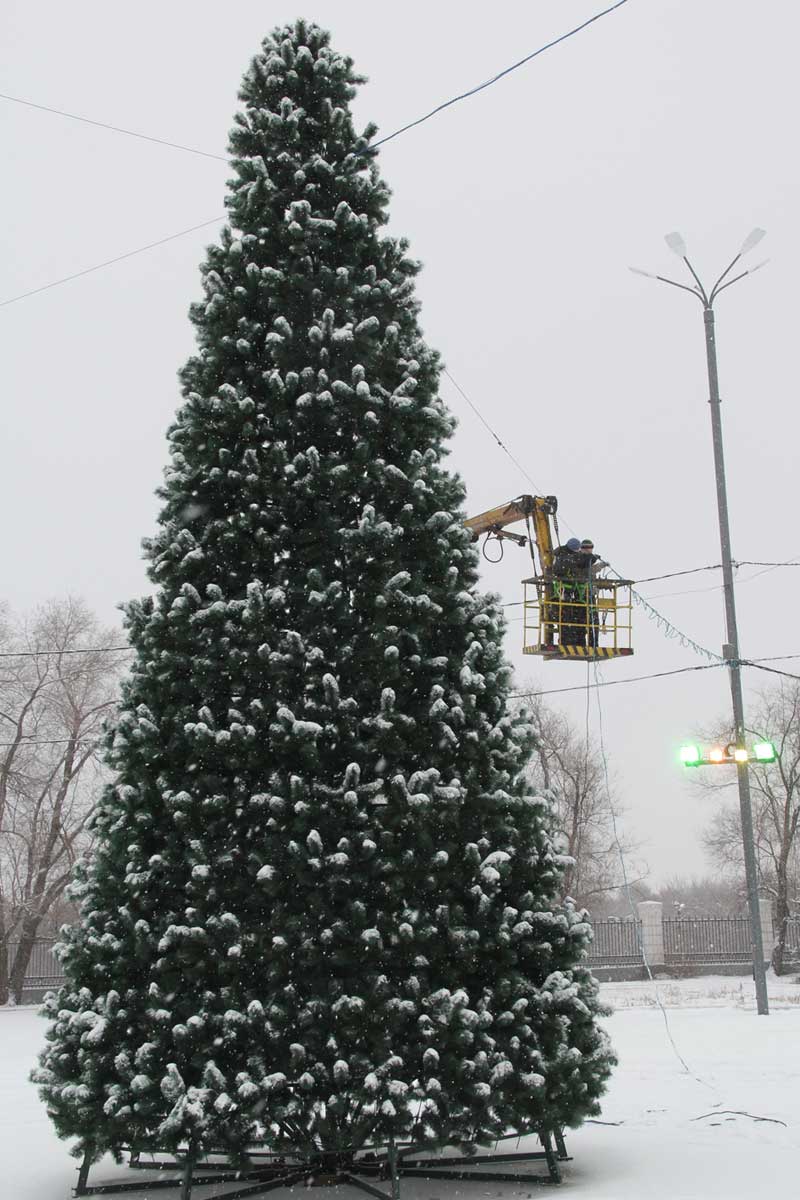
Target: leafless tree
775,791
572,772
706,896
52,705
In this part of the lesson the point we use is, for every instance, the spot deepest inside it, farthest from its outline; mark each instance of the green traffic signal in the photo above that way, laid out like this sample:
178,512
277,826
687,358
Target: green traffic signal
690,756
764,752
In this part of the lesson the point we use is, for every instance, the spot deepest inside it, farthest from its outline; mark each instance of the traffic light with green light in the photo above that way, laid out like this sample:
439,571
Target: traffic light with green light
693,756
764,752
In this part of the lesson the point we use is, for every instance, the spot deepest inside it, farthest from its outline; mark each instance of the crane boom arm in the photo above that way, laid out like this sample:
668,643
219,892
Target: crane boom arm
538,508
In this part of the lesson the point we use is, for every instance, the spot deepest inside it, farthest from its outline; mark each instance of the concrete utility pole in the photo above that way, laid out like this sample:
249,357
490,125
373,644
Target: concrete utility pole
730,651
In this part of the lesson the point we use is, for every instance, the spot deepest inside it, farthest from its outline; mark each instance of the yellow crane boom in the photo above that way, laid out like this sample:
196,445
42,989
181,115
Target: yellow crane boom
537,509
565,616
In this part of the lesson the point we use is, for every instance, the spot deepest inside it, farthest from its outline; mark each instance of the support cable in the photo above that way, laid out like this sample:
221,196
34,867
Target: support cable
114,128
364,150
496,437
110,261
500,75
59,112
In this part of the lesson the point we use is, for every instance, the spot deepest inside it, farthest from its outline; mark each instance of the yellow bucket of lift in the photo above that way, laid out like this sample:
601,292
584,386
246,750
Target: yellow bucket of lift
563,619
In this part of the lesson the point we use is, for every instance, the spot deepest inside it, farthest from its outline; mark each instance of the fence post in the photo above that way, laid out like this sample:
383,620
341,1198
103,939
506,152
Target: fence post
767,932
650,914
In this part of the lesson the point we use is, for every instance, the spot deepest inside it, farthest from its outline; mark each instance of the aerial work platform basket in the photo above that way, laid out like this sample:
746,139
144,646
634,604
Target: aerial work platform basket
569,610
563,619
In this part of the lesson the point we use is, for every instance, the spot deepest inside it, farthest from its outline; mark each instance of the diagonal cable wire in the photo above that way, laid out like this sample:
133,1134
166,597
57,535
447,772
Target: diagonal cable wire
146,137
746,662
177,146
110,261
500,75
496,437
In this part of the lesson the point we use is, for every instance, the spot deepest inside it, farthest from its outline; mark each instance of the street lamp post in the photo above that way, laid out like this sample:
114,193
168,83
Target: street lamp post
730,651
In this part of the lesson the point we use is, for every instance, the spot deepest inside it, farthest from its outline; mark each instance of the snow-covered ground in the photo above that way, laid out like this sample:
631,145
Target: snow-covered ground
728,1127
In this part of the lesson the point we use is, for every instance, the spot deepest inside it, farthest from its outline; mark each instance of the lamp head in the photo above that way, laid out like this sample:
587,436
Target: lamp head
676,244
752,240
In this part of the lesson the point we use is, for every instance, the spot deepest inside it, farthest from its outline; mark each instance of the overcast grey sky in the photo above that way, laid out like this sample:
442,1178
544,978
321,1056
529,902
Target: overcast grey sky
526,204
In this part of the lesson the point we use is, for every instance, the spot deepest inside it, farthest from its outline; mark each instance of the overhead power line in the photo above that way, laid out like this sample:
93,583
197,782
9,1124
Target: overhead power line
740,562
53,741
612,682
717,587
511,696
746,562
146,137
177,146
55,653
675,574
749,662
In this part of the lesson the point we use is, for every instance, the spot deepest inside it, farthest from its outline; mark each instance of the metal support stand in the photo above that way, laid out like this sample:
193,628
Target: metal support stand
188,1171
266,1172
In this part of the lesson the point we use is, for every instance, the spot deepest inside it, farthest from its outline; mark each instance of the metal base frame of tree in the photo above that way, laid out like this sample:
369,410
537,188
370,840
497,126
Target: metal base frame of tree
266,1172
322,917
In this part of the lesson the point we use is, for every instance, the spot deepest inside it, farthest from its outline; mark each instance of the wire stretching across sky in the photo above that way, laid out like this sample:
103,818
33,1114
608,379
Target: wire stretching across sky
177,146
145,137
110,261
500,75
487,426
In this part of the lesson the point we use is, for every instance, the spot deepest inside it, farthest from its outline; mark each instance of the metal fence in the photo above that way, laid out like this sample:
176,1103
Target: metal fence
793,937
617,942
44,969
707,939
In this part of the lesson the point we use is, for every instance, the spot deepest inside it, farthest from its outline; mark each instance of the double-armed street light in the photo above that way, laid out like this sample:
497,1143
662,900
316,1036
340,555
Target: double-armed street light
730,650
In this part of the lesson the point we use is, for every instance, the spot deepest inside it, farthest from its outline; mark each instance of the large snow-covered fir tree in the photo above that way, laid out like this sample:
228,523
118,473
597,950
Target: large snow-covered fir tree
323,906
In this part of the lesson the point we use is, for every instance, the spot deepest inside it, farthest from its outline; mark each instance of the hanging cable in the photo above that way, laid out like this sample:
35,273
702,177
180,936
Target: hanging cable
531,541
494,538
626,885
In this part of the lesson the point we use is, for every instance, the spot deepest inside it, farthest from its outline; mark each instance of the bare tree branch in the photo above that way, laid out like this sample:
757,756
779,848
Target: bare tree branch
50,774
